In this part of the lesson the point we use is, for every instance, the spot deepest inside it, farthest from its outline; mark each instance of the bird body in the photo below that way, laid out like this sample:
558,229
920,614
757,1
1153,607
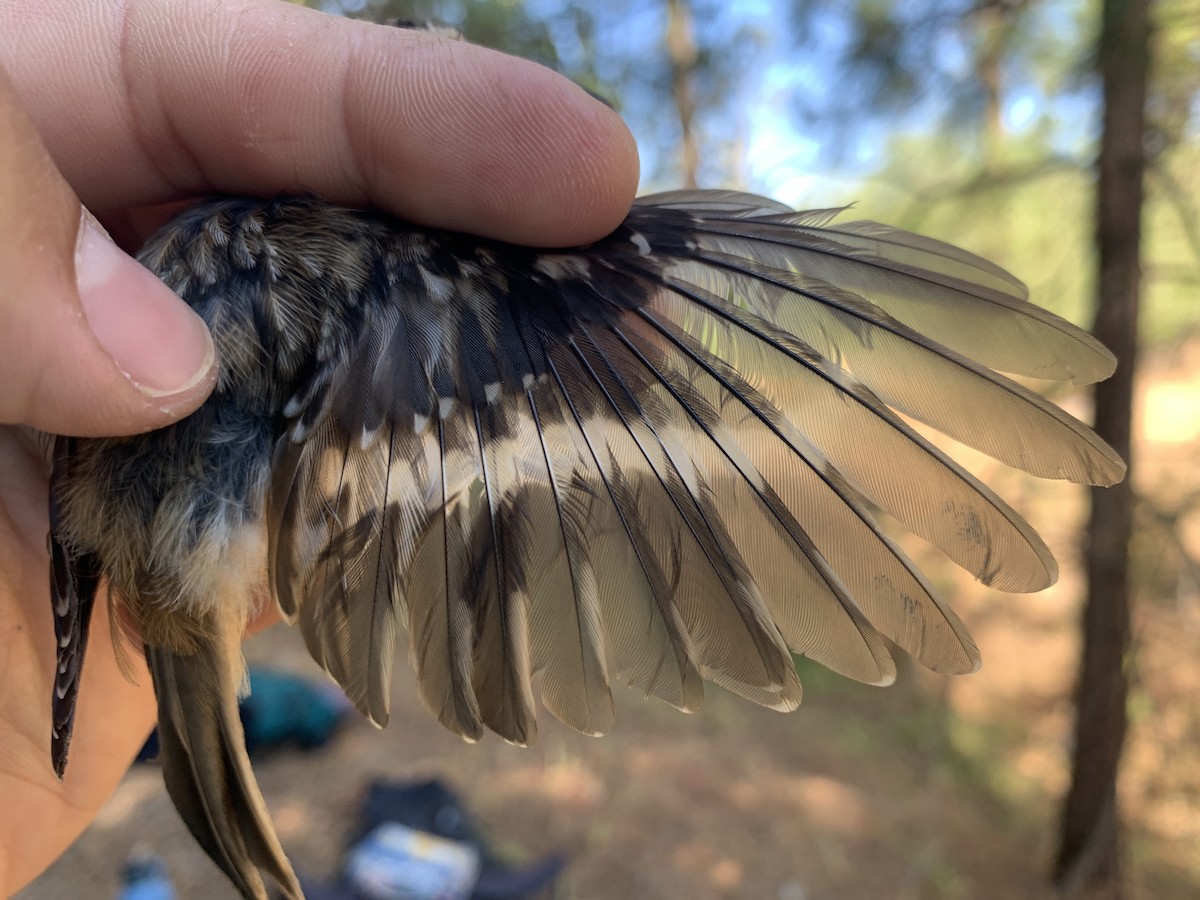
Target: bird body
655,458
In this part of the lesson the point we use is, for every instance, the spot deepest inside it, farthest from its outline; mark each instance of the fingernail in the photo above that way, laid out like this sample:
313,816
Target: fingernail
155,338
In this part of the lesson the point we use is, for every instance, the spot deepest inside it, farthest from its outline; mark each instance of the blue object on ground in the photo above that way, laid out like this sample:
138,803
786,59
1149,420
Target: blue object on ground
287,710
144,877
382,847
394,862
433,807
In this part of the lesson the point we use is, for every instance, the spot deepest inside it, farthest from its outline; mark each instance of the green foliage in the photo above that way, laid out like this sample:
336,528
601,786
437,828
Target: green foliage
1172,268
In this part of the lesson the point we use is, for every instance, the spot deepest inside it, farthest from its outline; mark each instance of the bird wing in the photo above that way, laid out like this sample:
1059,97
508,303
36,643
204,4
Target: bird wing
658,458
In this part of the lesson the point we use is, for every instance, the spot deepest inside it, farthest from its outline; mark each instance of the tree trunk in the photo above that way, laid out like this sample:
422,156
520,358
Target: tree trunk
683,54
993,36
1089,853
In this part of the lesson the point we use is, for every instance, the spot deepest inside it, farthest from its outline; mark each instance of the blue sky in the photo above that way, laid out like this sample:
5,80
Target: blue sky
785,85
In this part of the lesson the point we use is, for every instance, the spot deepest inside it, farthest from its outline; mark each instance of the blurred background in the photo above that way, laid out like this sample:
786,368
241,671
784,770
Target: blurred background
1060,138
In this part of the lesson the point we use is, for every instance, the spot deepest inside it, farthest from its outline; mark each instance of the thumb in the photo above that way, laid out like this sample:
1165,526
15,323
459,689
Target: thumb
91,343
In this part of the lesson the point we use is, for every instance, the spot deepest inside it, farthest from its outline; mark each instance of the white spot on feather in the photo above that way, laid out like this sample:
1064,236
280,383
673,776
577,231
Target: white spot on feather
562,265
440,289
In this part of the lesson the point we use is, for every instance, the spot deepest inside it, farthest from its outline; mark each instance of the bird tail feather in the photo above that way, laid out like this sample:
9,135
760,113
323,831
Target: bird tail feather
206,767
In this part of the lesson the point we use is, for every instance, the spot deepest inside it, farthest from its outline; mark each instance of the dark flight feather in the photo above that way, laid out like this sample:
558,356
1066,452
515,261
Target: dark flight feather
654,459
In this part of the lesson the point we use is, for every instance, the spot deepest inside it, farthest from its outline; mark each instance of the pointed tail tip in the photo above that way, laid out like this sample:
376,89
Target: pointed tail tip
59,746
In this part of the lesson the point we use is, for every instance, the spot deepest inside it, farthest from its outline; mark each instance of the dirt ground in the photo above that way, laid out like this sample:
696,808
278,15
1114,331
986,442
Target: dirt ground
934,788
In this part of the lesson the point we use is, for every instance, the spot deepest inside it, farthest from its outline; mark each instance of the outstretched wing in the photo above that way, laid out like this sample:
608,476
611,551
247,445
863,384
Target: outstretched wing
657,458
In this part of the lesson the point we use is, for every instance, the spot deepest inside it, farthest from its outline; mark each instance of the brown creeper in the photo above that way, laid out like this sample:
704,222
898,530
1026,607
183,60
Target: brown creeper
655,457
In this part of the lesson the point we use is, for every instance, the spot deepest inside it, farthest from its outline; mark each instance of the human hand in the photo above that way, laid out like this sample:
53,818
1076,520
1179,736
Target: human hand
134,107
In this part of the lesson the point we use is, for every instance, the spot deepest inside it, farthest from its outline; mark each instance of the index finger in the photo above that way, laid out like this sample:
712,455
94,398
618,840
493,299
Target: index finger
147,101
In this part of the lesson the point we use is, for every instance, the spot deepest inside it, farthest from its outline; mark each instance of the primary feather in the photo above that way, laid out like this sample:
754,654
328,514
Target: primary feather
653,459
